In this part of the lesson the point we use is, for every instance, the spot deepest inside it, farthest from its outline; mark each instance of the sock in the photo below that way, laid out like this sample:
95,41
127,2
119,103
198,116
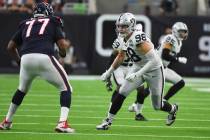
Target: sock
16,101
11,112
174,89
141,95
110,117
64,114
114,95
116,104
65,99
167,107
138,108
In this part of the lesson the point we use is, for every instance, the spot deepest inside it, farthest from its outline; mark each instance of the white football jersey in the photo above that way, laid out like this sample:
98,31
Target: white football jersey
176,47
118,45
137,57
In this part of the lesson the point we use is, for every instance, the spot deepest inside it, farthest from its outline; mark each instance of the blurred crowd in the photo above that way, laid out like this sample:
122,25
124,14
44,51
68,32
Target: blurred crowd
147,7
60,6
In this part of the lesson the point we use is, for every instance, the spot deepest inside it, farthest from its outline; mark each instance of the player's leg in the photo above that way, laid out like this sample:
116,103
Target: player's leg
124,91
176,80
156,83
25,79
142,93
56,75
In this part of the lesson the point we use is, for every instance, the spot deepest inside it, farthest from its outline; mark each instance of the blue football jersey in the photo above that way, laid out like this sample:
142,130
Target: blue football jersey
38,35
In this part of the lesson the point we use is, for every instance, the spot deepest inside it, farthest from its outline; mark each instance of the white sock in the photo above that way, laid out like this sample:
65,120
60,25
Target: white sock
64,114
110,117
138,108
11,112
172,108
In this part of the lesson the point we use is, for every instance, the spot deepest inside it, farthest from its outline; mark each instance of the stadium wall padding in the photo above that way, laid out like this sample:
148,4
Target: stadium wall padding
81,30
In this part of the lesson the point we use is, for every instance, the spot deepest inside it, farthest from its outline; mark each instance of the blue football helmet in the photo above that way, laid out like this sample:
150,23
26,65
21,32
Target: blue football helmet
43,9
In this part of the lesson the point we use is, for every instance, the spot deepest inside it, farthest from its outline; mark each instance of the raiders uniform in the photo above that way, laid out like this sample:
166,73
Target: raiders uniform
120,73
170,75
154,76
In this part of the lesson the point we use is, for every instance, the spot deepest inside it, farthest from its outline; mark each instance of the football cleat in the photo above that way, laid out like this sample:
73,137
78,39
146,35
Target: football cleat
104,125
140,117
5,125
132,108
172,116
63,127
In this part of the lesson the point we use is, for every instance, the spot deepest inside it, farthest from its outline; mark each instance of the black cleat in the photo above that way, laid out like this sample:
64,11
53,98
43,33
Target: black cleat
140,117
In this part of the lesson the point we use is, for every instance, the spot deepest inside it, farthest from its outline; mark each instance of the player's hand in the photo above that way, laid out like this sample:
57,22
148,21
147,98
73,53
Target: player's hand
105,76
132,77
182,60
109,84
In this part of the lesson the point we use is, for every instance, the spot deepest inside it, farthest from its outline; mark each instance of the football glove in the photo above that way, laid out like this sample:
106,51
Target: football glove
182,60
107,74
109,84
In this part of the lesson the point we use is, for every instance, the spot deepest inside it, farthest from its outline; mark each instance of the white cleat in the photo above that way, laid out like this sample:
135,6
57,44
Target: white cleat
63,127
132,108
172,116
104,125
5,125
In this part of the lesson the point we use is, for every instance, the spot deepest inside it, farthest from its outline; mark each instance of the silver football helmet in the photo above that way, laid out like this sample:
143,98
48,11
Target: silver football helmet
180,30
125,24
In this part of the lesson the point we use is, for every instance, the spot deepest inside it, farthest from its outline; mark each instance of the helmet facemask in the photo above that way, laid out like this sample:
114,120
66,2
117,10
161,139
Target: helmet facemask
180,30
125,24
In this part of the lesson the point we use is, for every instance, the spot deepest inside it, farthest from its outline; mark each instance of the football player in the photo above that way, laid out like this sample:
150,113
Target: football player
36,37
147,66
169,49
119,77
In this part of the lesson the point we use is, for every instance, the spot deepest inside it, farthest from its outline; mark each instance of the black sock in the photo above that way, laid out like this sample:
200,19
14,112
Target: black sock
166,107
114,95
116,104
65,99
174,89
141,95
18,97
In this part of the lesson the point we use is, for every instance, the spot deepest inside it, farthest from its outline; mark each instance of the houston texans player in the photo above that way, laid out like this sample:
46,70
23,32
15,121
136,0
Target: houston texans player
36,37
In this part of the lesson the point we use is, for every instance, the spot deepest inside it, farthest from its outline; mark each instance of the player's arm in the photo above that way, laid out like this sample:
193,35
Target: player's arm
145,48
166,53
117,62
12,49
14,43
62,46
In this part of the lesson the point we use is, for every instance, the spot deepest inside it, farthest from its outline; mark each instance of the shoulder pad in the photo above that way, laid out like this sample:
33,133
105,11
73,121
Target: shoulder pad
57,20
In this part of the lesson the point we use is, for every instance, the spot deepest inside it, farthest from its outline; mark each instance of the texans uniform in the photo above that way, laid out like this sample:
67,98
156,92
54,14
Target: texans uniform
37,37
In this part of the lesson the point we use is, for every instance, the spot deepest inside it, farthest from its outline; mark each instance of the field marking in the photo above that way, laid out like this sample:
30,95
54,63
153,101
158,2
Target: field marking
131,126
117,118
113,134
99,106
90,111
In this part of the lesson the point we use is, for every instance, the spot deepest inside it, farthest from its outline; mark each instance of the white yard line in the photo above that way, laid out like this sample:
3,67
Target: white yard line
113,134
118,118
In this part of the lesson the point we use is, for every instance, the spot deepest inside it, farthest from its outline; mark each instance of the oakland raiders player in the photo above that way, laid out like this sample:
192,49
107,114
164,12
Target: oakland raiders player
147,67
119,77
37,36
169,49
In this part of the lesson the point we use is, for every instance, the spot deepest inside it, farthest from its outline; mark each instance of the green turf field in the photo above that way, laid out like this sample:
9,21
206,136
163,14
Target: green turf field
37,117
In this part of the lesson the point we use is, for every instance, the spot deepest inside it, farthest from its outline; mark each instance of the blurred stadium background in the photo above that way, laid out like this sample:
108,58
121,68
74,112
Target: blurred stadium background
90,27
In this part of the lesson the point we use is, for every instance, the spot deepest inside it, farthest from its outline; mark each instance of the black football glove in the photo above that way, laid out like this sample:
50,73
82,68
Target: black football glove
109,85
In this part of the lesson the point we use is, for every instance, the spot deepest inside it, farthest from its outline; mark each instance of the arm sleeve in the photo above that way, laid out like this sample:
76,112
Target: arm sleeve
166,56
17,38
59,33
153,60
